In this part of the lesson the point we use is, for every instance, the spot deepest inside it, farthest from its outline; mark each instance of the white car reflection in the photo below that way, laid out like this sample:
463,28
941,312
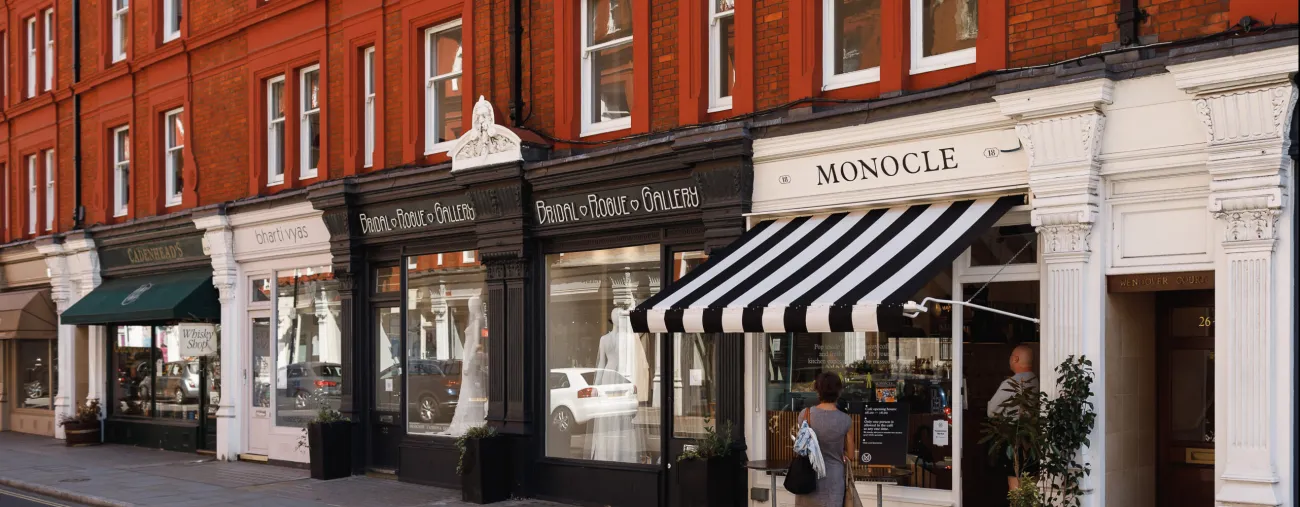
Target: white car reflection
579,395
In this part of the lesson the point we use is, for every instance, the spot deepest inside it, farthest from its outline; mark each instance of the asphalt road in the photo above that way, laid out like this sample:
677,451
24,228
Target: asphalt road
10,497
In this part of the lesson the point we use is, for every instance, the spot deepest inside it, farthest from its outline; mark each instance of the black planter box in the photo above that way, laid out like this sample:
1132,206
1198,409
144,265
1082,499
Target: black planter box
330,447
708,483
486,470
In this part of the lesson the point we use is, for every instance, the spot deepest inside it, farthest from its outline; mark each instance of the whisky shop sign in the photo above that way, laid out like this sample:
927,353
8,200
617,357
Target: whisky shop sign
420,214
152,253
652,199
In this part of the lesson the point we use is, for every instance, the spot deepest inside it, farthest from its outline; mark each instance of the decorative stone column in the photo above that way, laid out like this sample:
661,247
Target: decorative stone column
219,245
1244,102
1061,127
74,272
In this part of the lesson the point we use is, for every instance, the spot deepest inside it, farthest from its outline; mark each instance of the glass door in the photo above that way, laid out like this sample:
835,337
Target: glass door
386,413
259,420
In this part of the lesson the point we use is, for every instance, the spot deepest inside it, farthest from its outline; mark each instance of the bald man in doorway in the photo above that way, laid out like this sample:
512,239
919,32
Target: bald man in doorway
1022,367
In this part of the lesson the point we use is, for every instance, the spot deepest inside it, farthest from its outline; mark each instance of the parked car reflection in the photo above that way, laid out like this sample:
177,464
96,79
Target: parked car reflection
308,385
580,395
434,389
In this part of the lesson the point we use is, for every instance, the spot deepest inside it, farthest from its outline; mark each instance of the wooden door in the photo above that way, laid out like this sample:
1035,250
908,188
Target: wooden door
1185,356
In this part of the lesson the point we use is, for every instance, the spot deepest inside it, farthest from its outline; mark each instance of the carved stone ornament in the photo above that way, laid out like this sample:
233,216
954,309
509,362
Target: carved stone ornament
485,143
1065,238
1248,224
1246,115
1088,128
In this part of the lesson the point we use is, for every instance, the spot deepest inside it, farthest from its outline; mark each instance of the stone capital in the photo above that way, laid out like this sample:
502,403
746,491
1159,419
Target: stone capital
219,245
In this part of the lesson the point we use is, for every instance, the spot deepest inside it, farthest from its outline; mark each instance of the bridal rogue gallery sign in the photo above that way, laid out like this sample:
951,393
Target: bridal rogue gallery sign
415,215
789,176
641,200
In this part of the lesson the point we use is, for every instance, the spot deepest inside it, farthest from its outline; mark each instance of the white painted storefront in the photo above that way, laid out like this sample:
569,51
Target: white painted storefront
1180,172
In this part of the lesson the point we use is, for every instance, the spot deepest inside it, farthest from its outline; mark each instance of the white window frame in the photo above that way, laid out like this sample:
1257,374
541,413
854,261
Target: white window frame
31,56
119,29
717,66
48,18
368,106
271,122
171,144
305,112
31,194
49,190
431,144
121,171
593,127
831,80
920,62
172,9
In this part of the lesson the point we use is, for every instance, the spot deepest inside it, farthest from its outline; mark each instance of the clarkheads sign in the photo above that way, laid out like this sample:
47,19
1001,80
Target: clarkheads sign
152,252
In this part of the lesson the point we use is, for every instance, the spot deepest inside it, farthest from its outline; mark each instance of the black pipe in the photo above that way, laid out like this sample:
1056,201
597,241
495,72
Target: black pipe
78,212
1128,19
516,64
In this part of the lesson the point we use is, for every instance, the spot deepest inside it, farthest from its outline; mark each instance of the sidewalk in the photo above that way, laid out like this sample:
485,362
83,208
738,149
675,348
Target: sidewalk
116,475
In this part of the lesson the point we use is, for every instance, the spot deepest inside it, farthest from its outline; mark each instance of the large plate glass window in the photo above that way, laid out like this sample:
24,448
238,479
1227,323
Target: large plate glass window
850,43
606,65
442,100
943,33
446,343
309,345
158,373
37,373
600,399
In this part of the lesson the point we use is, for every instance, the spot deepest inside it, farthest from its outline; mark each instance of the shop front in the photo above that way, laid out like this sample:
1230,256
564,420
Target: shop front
158,313
29,347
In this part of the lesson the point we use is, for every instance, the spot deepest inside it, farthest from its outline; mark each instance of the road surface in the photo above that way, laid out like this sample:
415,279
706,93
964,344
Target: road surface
10,497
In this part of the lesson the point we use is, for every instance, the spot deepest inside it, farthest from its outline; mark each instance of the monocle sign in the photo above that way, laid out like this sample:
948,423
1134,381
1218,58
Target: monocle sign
414,215
152,253
640,200
973,160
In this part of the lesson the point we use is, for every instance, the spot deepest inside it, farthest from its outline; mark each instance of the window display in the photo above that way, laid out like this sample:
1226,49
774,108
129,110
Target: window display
446,341
38,373
601,402
133,364
157,377
309,346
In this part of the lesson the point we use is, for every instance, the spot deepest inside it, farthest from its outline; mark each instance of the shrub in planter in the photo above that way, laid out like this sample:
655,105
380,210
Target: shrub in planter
84,427
484,466
329,444
707,475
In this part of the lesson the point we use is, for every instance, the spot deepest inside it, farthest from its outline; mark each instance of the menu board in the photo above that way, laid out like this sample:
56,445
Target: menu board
883,434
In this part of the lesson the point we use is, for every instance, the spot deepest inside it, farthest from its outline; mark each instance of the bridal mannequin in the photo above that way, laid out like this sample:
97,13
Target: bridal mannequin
472,408
614,438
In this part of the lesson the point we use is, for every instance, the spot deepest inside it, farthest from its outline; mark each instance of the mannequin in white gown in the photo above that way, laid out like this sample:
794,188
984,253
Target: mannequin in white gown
471,410
614,438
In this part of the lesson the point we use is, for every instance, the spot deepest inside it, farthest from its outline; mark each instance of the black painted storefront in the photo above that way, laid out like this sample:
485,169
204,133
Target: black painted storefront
696,189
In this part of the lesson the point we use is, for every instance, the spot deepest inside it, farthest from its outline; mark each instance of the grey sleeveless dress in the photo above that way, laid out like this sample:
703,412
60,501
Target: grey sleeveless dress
832,429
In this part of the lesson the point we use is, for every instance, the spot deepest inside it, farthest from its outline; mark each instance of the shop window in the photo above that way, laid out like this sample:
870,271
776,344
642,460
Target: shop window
943,33
369,106
121,171
32,204
850,43
446,344
31,57
602,403
48,16
121,29
173,157
309,116
176,382
133,358
606,65
158,374
49,190
694,374
309,347
171,19
442,99
275,131
722,53
37,373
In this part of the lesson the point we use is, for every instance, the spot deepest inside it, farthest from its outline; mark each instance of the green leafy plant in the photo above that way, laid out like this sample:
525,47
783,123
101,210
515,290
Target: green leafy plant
1017,429
87,413
325,414
714,443
1026,495
474,433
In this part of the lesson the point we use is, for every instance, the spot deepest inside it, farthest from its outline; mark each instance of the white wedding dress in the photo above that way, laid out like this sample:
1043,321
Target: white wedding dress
471,410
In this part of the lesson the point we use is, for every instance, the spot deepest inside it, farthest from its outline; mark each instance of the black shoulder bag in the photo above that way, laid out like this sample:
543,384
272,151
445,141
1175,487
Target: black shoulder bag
800,478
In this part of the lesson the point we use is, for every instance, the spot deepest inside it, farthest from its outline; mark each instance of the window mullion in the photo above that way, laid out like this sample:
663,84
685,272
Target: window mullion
606,45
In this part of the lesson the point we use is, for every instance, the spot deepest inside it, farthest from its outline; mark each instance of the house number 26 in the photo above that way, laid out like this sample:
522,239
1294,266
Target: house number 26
1205,322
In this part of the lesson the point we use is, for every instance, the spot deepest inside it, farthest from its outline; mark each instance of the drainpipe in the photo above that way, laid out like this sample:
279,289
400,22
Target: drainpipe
1128,19
516,59
78,212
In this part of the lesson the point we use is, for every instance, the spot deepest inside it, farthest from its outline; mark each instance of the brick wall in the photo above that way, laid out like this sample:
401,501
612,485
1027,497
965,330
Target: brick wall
1184,19
663,64
1046,31
771,58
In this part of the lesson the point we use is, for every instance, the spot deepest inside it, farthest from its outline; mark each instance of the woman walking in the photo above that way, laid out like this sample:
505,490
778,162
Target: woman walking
832,429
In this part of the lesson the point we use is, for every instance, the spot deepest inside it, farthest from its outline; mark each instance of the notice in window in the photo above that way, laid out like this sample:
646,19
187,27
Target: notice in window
883,434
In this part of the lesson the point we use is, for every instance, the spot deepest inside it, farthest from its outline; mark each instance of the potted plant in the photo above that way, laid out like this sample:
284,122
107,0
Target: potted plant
707,472
84,427
329,444
483,466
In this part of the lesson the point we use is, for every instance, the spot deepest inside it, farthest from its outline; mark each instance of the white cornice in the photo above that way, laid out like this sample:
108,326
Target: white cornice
1261,68
979,118
1057,100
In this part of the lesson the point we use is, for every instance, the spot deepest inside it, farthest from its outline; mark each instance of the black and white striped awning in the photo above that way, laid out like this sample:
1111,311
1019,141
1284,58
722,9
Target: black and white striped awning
825,273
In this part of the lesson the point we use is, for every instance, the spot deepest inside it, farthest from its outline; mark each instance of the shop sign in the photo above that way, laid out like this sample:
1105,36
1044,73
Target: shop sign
642,200
883,434
1153,282
279,235
969,162
152,253
197,339
420,214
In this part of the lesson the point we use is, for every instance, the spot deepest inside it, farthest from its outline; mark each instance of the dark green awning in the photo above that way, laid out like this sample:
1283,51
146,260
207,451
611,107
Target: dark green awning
180,296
